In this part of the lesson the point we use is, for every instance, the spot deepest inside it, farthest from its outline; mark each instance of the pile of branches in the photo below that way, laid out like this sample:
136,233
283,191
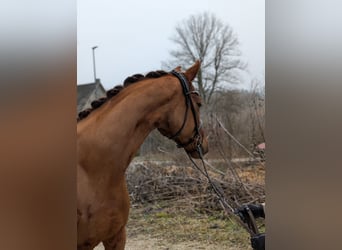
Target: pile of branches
185,187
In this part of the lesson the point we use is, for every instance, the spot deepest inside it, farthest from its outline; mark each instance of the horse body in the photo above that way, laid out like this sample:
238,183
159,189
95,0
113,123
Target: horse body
107,141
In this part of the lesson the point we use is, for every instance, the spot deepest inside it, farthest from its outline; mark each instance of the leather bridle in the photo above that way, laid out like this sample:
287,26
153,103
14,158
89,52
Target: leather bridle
196,138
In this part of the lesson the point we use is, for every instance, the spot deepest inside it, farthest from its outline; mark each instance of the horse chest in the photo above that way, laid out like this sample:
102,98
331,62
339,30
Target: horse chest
96,224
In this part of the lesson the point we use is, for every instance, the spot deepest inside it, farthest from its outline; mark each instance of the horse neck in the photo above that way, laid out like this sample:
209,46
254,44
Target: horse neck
118,129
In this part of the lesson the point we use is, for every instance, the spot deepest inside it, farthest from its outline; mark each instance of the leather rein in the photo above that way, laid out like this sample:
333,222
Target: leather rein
197,138
251,228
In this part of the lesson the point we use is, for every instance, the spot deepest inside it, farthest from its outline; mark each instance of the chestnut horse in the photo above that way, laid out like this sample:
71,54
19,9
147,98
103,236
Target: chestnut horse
109,137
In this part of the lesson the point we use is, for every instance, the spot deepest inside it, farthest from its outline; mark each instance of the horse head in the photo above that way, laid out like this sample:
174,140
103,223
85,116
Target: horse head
184,122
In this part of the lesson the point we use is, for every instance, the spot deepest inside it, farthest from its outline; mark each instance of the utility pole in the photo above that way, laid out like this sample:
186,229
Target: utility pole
93,48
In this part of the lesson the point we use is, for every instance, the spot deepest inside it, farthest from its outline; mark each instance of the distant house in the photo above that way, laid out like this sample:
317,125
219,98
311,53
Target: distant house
261,146
259,151
86,93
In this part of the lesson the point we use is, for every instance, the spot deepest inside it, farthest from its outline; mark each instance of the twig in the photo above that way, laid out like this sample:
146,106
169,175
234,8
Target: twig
234,139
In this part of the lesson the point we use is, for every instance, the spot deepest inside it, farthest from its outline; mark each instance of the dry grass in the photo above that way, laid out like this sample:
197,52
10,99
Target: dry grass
252,174
172,228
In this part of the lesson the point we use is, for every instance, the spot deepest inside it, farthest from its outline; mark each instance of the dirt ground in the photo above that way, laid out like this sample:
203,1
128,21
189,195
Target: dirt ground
147,243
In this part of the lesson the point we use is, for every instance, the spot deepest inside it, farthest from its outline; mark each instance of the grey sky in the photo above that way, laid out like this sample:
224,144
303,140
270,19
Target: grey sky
134,36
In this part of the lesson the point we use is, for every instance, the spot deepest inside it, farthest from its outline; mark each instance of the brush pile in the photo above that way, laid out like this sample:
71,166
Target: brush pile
184,187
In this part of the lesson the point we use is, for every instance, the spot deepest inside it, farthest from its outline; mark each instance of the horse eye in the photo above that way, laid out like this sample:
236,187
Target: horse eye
199,104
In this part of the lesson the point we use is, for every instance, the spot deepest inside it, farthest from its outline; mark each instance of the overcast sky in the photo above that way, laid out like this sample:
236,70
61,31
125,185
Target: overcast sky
134,36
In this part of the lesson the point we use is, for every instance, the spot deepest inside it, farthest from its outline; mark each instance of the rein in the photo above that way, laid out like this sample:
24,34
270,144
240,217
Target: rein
187,94
251,228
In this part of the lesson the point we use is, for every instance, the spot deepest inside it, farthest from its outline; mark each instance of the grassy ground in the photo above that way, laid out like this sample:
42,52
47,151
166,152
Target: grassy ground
177,225
178,230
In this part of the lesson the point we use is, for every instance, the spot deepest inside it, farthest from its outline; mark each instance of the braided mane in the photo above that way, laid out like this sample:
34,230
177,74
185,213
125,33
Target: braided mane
114,91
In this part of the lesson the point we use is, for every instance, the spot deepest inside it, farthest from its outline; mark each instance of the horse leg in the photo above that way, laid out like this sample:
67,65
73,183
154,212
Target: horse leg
117,242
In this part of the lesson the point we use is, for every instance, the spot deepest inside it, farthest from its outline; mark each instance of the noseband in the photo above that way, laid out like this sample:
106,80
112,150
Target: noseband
197,138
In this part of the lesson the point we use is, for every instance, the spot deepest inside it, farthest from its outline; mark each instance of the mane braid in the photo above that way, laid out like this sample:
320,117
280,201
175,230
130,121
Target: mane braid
116,90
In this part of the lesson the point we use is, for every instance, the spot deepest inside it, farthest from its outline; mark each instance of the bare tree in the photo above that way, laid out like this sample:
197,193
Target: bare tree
257,110
206,38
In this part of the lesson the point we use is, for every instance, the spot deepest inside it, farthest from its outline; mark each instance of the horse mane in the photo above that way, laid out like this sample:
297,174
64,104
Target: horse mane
116,90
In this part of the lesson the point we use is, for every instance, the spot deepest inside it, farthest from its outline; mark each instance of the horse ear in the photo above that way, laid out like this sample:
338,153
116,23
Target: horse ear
191,72
178,69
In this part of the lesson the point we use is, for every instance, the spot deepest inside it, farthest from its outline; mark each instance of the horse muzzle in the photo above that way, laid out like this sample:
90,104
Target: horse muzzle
198,149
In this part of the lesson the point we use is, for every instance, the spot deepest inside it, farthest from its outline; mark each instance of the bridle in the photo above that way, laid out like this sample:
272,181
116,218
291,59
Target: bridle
196,138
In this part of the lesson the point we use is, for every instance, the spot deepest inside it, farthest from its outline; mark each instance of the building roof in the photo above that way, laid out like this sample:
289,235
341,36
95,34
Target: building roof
84,91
